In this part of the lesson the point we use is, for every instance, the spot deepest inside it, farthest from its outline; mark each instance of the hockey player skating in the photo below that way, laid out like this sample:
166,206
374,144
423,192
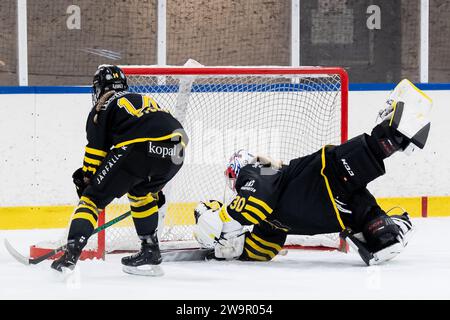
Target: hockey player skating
324,192
134,147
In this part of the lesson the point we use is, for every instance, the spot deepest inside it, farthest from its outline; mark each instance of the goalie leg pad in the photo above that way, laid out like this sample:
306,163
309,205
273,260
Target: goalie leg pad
208,226
408,112
230,248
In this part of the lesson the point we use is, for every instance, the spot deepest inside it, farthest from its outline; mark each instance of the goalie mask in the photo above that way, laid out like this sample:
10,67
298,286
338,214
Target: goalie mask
107,78
237,161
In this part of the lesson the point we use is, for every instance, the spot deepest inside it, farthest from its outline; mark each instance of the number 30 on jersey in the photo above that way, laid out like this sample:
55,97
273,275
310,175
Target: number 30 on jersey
238,204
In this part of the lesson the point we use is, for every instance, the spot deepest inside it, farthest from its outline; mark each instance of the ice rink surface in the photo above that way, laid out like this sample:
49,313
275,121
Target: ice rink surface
422,271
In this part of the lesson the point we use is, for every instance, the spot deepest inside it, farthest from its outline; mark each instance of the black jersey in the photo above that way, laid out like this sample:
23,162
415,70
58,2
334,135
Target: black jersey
294,198
126,118
307,204
258,189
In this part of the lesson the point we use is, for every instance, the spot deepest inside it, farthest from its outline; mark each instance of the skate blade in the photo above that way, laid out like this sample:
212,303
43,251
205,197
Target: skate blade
146,270
62,275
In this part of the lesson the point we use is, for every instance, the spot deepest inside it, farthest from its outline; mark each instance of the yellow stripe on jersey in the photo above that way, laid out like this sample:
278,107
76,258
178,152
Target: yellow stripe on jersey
167,137
88,201
271,254
249,218
255,256
86,216
90,208
92,161
255,211
261,203
266,243
136,198
144,214
140,201
96,152
330,193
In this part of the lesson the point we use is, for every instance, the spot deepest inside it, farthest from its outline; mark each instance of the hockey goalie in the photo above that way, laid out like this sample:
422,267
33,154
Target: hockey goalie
324,192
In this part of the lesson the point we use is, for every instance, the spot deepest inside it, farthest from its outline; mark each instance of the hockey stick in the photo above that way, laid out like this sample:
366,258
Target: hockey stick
194,254
27,260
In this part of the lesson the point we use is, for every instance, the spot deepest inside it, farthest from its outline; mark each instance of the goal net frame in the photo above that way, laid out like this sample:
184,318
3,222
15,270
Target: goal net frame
157,71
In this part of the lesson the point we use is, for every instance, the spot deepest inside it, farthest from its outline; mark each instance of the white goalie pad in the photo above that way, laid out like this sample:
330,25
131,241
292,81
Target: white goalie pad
412,119
230,248
209,226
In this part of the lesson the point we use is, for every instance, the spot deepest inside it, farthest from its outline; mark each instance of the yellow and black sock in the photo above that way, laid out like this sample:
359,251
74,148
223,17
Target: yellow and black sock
144,210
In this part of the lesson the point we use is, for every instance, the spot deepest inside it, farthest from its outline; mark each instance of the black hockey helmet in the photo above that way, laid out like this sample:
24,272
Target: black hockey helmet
106,78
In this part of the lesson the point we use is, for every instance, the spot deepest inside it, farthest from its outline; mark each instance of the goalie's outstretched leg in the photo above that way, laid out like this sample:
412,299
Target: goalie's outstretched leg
405,125
405,122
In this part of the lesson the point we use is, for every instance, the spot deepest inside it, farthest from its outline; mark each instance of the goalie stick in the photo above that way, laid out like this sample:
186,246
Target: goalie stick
193,254
27,260
367,256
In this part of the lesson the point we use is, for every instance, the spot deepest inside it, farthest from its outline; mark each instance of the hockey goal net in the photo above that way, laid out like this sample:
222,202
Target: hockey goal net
283,112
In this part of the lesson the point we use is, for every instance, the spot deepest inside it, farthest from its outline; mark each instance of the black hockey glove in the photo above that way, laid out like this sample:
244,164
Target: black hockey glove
80,181
380,233
160,198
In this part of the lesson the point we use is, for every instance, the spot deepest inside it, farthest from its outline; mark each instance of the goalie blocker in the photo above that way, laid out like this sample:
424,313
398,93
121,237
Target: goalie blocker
320,193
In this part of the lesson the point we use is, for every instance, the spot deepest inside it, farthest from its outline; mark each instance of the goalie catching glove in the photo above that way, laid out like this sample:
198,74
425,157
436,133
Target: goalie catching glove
215,229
